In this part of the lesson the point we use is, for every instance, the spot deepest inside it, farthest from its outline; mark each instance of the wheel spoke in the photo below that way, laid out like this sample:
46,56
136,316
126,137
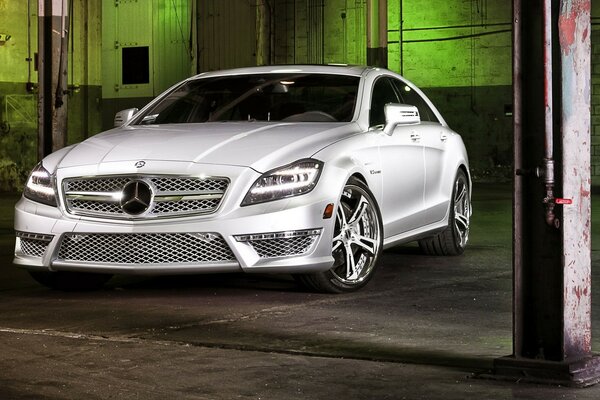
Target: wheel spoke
462,221
367,243
460,195
359,211
350,264
337,242
341,216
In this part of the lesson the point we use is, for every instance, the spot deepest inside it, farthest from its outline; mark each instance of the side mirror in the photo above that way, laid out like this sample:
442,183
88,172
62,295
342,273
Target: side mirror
400,114
123,116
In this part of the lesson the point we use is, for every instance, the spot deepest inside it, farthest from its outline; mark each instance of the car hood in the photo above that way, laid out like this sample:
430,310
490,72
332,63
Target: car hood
257,145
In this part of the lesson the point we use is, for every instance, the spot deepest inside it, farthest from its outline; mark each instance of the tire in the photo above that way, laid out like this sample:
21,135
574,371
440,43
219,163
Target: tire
357,243
453,240
70,281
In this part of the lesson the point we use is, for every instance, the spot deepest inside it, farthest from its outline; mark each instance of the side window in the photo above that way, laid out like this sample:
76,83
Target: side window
383,93
411,97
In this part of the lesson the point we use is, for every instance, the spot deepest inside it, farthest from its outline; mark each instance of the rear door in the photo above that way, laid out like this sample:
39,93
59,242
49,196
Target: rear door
433,138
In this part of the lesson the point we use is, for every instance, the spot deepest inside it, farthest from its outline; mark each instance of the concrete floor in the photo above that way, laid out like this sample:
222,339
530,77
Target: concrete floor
422,329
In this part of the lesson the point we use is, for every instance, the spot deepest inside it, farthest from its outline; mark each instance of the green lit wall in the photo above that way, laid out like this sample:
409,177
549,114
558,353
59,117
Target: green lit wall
163,27
460,53
451,43
17,146
319,31
18,107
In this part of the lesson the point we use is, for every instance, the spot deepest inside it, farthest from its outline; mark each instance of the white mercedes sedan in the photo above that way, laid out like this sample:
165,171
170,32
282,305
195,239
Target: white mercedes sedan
305,170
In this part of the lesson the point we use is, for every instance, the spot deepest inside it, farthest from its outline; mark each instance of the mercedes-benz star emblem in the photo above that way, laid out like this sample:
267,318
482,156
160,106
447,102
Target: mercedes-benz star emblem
140,164
136,198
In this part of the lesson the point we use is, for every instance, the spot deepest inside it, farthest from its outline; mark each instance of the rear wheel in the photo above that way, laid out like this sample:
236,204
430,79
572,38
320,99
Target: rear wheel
70,281
453,240
357,243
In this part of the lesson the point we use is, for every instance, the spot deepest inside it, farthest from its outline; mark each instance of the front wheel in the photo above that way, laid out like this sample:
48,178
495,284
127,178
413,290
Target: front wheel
357,243
70,281
453,240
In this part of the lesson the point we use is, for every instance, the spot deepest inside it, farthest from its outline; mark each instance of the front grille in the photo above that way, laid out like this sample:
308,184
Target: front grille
34,244
172,195
145,248
287,247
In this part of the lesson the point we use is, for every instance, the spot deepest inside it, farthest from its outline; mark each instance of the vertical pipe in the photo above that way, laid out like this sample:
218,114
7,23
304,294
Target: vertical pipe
383,33
401,40
548,116
548,126
518,181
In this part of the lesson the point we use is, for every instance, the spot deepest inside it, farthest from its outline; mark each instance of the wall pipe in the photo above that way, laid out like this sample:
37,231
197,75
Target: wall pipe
548,169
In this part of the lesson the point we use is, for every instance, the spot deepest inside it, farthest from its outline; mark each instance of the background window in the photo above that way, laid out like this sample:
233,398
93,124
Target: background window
136,65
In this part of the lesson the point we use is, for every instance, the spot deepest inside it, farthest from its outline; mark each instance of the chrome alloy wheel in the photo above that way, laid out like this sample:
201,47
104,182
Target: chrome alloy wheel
462,211
357,236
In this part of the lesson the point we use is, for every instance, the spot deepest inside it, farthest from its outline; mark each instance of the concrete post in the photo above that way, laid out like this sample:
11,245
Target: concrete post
552,274
377,33
264,16
53,25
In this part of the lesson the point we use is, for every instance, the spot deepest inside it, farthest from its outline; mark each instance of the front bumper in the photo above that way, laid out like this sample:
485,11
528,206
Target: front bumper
245,236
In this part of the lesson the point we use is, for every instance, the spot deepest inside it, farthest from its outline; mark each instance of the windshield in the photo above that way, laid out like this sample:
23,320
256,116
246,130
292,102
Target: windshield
258,97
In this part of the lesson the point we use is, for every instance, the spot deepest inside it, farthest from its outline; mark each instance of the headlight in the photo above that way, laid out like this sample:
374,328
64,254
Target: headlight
292,180
40,186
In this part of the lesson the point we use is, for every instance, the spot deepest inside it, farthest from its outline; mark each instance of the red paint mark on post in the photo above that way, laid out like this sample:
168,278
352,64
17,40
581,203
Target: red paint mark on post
566,28
562,201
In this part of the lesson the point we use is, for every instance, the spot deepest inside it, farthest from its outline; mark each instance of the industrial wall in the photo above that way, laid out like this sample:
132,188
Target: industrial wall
147,46
458,51
18,80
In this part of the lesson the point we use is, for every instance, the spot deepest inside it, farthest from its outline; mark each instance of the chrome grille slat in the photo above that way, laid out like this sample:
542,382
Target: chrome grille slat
174,196
191,185
145,248
184,206
112,184
99,207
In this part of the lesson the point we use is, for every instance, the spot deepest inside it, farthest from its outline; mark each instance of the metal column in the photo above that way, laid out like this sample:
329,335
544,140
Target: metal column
53,25
552,248
377,33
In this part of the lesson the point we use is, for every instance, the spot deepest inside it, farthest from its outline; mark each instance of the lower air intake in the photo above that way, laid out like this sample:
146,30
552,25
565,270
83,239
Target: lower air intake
145,248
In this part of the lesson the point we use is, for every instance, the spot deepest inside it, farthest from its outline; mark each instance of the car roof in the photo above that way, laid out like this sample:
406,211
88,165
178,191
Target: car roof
341,69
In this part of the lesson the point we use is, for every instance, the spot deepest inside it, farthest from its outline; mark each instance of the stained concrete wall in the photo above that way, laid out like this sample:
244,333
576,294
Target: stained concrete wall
458,51
18,106
595,149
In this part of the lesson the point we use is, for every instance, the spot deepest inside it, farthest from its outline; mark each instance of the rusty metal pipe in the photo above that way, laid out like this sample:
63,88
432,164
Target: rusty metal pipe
548,168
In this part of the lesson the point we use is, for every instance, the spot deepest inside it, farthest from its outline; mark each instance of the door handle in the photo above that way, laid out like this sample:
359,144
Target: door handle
443,136
414,136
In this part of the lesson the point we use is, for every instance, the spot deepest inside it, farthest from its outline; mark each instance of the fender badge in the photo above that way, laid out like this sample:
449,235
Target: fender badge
140,164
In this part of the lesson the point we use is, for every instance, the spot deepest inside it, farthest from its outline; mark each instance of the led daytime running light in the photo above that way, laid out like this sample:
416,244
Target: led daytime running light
277,235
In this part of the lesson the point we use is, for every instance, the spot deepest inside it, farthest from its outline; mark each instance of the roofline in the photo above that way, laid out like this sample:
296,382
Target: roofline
342,69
